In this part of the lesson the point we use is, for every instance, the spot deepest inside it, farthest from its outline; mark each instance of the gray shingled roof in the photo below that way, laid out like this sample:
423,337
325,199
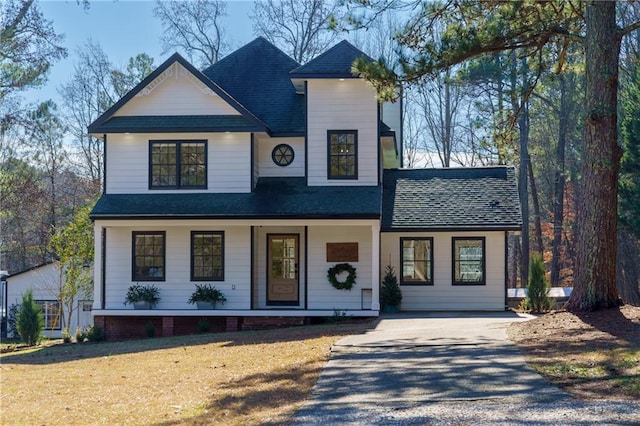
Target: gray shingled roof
334,63
272,198
257,76
443,199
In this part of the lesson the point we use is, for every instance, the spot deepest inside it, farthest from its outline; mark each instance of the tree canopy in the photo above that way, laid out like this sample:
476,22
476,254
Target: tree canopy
475,29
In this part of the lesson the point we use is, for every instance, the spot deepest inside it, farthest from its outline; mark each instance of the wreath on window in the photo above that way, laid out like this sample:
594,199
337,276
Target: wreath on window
333,273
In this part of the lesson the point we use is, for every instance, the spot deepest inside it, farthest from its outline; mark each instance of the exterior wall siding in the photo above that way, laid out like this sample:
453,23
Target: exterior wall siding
44,281
178,94
266,166
443,296
322,295
342,105
177,287
228,162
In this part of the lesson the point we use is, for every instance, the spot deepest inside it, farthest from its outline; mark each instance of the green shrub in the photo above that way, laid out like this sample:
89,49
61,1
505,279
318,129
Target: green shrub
29,320
66,335
203,325
538,289
143,293
150,329
12,328
207,293
81,334
390,293
95,333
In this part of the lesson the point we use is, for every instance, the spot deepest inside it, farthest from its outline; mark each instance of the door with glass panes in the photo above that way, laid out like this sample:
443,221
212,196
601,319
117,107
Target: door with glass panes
282,272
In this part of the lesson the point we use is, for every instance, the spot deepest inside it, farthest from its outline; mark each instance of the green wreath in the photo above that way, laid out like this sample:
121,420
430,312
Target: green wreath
347,284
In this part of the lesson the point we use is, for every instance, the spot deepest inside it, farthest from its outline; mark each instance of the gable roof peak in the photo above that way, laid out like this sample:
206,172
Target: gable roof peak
98,125
333,63
258,45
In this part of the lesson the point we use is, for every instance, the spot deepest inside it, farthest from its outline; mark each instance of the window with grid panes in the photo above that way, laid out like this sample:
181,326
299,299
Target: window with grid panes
178,164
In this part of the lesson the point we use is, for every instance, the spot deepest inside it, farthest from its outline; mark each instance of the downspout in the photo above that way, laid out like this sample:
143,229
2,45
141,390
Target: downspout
306,132
306,267
104,164
252,268
103,272
506,270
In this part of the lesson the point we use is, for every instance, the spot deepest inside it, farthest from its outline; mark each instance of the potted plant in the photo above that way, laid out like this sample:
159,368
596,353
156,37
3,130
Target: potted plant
390,293
142,296
206,296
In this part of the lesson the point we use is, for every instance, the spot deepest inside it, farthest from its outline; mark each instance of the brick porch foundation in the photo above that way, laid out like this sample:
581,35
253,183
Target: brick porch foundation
136,327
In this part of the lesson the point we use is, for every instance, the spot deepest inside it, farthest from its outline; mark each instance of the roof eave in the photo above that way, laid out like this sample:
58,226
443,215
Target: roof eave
358,216
110,130
453,228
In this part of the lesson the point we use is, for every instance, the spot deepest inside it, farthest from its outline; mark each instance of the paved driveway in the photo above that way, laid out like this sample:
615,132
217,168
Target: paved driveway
444,369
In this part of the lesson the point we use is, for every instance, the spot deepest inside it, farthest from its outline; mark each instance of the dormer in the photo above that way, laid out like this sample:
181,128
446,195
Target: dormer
344,129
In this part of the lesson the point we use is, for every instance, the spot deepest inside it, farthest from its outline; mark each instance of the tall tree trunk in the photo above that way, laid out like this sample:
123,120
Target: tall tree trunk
537,225
628,268
519,104
596,216
560,178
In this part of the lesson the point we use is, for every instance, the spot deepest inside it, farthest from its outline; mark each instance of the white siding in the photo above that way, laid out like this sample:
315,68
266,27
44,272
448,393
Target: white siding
266,166
443,296
322,295
177,287
45,282
342,105
176,92
228,162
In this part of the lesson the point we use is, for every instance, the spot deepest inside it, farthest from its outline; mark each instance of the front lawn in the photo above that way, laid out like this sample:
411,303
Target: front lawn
232,378
592,355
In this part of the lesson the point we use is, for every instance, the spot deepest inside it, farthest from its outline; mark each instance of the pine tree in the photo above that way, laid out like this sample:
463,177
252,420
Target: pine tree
390,294
30,320
537,288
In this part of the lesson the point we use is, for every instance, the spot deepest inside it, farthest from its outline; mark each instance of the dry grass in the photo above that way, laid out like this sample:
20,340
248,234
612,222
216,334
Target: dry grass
593,355
234,378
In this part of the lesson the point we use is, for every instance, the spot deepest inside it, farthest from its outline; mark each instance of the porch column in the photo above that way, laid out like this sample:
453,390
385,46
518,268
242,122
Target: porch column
97,267
375,267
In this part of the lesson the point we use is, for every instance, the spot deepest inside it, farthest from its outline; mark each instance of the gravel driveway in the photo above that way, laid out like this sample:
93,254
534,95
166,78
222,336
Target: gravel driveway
444,369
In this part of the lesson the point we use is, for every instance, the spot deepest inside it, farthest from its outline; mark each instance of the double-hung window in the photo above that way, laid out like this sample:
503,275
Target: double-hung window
469,261
148,256
207,256
51,312
342,149
417,261
178,164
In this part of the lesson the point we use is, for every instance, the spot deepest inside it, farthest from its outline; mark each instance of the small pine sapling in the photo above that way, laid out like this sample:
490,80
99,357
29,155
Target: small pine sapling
538,288
390,293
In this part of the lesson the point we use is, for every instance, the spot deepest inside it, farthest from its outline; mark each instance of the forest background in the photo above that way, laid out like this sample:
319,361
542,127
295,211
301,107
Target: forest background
506,106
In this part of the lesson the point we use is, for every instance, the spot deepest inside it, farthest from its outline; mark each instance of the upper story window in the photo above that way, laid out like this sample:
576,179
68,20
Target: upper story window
342,162
148,256
469,261
178,164
417,261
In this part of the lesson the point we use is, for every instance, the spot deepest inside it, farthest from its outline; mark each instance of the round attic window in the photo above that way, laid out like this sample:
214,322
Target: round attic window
282,155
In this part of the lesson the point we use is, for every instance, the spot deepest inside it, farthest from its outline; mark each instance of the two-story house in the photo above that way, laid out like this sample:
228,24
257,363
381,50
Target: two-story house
258,175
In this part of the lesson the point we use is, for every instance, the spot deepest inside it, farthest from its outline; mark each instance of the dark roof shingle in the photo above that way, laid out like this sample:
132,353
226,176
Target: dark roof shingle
272,198
257,76
334,63
448,199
